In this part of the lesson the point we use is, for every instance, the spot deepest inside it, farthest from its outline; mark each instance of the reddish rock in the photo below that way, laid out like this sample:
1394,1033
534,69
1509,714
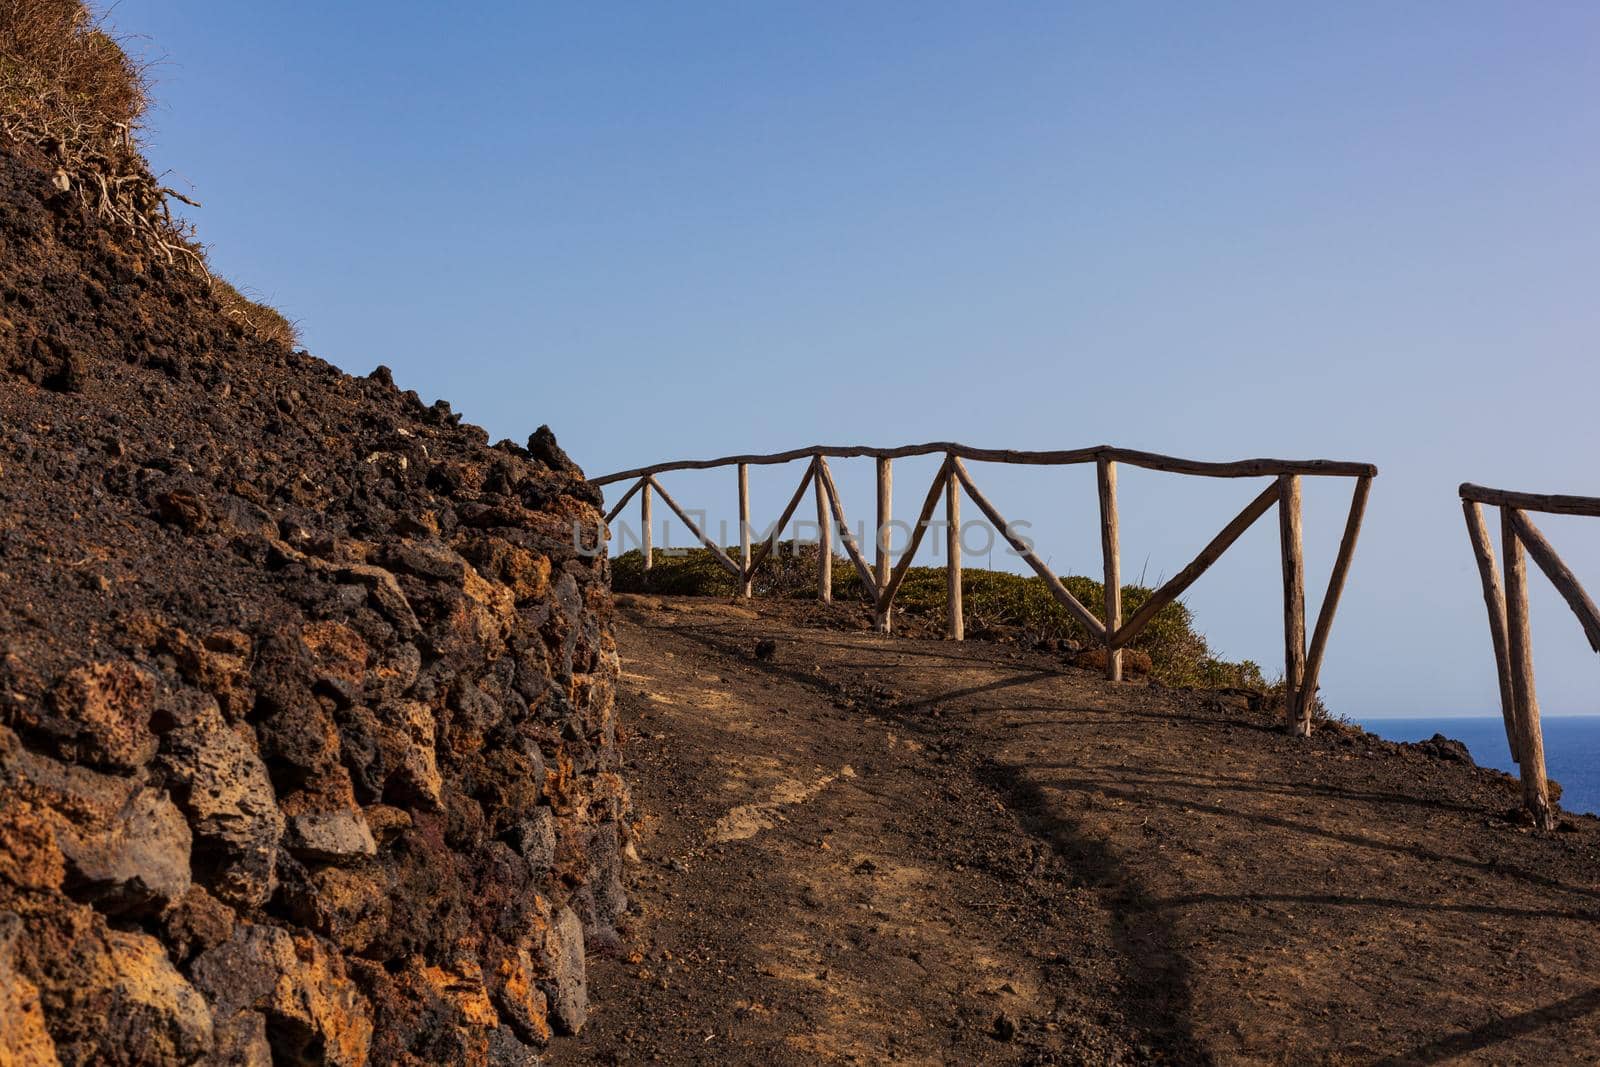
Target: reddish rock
417,778
224,789
102,716
195,922
338,652
131,858
30,859
111,996
311,1011
348,907
220,665
340,836
118,843
24,1041
523,1004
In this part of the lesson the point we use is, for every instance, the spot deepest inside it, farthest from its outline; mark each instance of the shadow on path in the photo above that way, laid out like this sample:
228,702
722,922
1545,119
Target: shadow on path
1448,1048
1415,851
1155,978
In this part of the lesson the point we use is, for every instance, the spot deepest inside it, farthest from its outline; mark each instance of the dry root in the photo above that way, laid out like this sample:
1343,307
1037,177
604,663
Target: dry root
68,90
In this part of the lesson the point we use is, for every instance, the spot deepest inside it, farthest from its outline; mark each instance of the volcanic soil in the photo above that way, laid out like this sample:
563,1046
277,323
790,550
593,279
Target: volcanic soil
867,849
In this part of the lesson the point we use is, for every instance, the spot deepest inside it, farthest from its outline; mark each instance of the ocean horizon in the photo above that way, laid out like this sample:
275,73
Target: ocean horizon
1571,747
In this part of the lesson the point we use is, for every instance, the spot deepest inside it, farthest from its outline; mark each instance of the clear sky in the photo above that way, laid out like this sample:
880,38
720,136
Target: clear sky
1362,231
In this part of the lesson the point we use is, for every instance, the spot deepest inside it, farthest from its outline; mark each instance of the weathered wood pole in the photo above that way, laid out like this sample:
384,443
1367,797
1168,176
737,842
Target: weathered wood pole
1112,556
718,553
1330,599
1494,599
1086,618
824,540
744,531
882,619
769,544
647,544
918,529
1294,605
836,513
1560,576
616,509
1519,641
1175,586
954,627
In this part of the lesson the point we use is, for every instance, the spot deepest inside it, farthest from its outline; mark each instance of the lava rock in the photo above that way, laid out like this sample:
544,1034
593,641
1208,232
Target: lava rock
1444,748
311,1011
568,986
331,836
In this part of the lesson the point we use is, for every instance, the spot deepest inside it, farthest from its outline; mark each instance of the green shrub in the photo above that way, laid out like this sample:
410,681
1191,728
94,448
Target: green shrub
992,602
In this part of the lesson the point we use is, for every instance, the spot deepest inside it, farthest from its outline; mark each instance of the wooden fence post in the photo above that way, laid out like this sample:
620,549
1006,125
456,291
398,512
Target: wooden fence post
1494,599
1112,558
954,624
824,540
1330,599
1519,635
1296,719
882,619
744,530
646,537
1086,618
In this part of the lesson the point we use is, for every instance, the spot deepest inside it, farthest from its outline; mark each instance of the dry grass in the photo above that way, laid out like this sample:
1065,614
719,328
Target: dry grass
61,69
69,91
255,318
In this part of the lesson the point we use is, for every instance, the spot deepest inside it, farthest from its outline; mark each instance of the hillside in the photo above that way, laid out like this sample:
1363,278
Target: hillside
307,749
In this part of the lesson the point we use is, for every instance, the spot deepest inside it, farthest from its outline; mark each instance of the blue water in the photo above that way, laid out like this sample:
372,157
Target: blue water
1571,749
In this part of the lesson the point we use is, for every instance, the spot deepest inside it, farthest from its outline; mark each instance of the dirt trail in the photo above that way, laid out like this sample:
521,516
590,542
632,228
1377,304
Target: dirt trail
868,849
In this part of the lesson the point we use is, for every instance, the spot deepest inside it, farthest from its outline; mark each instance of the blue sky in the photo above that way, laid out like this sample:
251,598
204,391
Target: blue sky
1362,231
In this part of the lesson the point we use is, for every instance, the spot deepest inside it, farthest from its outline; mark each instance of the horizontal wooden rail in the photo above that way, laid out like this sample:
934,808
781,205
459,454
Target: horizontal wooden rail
881,579
1510,631
1244,468
1553,504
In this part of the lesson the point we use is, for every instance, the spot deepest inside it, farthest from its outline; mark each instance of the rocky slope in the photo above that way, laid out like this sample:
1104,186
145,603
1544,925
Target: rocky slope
307,747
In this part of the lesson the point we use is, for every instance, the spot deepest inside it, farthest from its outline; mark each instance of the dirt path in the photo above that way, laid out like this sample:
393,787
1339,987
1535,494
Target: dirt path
864,850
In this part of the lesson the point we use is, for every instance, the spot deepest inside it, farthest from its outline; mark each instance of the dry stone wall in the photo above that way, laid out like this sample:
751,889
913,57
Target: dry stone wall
308,751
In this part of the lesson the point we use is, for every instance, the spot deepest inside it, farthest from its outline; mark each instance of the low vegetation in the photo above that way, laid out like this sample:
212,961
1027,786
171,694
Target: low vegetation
995,603
252,316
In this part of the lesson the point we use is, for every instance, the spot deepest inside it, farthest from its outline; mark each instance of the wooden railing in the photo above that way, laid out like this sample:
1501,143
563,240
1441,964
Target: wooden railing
881,581
1509,628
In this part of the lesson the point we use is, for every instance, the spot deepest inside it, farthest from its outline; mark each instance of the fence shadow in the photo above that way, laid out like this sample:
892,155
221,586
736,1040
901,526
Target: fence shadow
1155,978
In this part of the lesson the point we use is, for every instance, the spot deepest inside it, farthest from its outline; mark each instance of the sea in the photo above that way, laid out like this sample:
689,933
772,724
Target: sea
1571,748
